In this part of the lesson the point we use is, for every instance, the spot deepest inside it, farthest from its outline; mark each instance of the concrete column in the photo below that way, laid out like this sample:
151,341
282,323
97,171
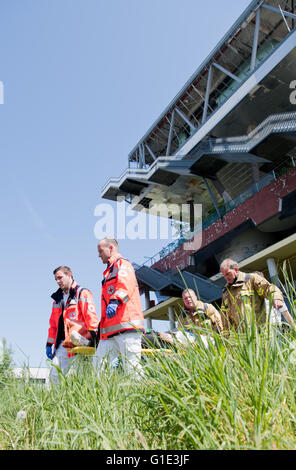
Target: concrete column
147,306
272,269
149,323
147,299
172,318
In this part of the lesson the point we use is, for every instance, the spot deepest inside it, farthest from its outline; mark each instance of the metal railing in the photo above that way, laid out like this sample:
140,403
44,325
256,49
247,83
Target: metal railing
253,38
277,123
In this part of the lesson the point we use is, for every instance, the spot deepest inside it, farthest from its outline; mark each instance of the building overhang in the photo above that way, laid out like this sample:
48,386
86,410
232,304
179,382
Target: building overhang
200,156
283,252
171,181
161,311
181,178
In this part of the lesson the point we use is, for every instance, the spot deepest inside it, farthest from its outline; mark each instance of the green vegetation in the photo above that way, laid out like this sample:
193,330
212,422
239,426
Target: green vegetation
239,396
6,363
238,393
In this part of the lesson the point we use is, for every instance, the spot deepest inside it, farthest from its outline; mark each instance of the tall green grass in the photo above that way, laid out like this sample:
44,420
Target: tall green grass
239,393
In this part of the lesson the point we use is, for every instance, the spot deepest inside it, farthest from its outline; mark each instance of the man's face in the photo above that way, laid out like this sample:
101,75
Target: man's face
229,274
104,251
189,299
64,280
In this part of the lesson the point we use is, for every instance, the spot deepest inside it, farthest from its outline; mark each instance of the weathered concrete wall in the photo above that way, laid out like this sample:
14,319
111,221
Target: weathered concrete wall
245,244
259,208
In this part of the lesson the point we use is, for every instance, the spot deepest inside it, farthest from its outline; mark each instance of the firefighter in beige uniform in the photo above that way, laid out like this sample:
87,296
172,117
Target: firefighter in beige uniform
244,293
198,313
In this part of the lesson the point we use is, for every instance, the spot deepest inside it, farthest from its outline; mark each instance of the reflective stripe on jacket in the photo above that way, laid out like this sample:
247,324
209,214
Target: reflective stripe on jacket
244,296
79,307
120,283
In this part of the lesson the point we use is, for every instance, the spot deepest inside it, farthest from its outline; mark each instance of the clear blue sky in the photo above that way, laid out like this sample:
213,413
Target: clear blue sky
83,81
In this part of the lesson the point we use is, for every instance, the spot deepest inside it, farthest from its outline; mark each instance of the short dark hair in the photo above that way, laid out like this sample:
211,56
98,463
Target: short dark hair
65,269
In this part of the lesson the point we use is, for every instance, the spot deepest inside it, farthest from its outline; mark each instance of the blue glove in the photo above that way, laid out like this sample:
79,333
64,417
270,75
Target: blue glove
112,308
49,352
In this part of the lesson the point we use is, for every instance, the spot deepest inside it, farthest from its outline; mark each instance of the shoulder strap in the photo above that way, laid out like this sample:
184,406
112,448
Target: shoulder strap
78,292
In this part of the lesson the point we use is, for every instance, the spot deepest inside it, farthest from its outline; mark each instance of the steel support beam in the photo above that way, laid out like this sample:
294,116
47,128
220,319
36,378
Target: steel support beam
212,198
153,156
206,103
280,11
185,118
253,79
221,190
219,67
168,150
141,155
255,40
286,23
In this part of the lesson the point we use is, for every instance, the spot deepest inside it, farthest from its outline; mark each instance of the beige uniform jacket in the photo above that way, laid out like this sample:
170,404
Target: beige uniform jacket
197,318
245,296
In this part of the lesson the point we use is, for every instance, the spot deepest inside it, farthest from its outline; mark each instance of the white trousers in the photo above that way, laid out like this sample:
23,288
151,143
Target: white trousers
128,345
60,360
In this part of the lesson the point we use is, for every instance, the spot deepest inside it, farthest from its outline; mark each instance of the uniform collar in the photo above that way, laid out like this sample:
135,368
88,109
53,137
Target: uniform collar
113,259
240,279
58,295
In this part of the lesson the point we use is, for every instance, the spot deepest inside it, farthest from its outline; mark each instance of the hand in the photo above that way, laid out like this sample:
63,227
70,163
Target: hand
278,304
49,352
112,308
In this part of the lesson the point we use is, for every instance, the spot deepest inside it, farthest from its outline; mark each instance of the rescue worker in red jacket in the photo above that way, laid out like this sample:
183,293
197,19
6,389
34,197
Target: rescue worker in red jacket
72,304
122,319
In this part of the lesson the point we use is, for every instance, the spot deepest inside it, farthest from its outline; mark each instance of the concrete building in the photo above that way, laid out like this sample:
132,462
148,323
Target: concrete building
227,142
